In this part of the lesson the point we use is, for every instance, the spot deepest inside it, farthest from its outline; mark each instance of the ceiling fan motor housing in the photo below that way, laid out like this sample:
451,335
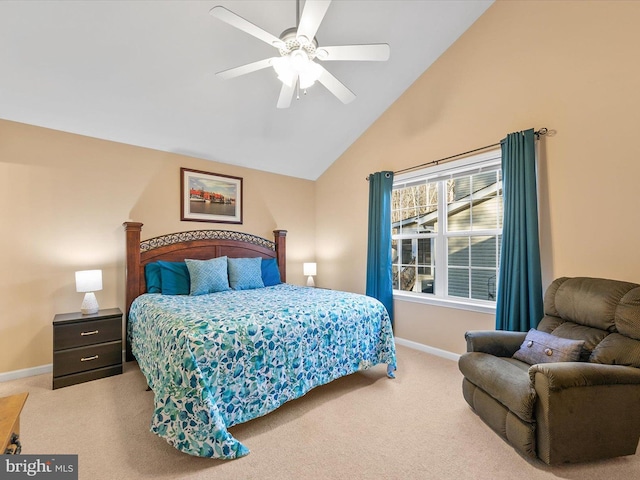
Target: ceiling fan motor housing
291,42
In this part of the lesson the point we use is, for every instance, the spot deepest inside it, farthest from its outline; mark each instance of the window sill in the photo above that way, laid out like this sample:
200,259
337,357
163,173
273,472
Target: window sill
441,302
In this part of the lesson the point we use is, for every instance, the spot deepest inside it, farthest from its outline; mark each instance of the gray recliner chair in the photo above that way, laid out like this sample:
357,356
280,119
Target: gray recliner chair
568,391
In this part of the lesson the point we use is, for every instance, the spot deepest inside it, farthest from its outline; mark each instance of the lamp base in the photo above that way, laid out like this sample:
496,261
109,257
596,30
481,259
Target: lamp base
89,304
310,282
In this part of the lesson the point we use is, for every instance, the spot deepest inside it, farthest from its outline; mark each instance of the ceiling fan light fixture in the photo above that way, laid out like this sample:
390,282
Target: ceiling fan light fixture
310,74
299,60
297,65
286,74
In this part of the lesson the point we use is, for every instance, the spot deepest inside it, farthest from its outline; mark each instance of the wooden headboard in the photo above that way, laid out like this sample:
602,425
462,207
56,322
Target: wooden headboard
196,244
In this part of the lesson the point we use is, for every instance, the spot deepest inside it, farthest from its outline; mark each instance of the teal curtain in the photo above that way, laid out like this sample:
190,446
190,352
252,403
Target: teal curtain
519,302
379,277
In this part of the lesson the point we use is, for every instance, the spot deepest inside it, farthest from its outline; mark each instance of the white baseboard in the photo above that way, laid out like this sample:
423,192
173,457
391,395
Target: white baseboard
26,372
427,349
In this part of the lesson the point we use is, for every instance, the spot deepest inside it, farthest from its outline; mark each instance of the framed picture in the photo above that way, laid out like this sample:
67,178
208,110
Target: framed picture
210,197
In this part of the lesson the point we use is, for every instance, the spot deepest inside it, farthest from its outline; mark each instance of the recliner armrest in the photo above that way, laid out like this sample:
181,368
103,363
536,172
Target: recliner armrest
500,343
585,411
582,374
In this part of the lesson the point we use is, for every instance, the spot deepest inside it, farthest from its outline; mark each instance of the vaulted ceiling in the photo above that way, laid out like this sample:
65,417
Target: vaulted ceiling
143,73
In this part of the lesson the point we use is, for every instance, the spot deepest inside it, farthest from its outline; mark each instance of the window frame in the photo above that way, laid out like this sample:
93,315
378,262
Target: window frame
487,161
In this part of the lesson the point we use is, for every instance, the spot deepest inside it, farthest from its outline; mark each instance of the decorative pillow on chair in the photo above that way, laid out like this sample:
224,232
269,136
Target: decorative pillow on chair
541,347
270,272
208,276
245,273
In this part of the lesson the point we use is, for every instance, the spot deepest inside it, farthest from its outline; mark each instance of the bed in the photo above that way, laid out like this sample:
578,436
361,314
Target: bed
215,360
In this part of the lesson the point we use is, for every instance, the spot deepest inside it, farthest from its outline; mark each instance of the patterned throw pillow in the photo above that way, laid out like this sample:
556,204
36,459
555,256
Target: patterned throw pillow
208,276
542,347
245,273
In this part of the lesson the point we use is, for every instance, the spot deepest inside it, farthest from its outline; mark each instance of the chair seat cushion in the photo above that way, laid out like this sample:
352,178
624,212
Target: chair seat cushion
504,379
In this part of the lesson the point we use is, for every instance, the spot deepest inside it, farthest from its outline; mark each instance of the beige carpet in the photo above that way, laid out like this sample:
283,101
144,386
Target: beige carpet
364,426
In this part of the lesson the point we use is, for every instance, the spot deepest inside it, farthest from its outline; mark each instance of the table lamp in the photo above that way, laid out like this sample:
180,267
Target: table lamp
309,270
89,281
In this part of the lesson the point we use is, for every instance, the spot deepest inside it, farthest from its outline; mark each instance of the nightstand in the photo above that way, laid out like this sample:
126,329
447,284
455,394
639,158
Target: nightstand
86,347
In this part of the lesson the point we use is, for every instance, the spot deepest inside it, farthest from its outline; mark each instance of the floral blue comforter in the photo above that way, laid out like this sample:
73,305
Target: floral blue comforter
217,360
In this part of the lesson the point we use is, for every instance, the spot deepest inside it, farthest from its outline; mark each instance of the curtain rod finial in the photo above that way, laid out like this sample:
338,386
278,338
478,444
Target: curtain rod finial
544,131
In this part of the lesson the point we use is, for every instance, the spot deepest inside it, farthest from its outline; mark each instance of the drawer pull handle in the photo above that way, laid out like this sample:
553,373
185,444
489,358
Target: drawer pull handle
86,359
84,334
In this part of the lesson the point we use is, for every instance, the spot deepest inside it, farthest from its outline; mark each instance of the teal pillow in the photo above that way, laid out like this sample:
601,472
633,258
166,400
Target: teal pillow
174,278
245,273
152,277
270,272
208,276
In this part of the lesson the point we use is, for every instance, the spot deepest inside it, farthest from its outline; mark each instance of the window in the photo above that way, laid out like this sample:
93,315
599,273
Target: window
447,231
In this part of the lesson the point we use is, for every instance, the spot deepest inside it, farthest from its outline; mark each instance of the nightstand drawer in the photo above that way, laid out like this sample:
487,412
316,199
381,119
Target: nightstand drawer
87,332
81,359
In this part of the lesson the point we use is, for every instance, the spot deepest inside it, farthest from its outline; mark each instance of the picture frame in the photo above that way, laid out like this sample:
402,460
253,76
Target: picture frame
210,197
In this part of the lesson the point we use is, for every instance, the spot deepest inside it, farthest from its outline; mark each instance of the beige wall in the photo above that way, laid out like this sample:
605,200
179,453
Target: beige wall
569,66
63,199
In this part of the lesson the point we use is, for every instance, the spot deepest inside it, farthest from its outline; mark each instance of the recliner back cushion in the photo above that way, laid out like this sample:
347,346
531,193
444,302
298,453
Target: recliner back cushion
574,331
628,314
549,324
550,297
589,301
617,349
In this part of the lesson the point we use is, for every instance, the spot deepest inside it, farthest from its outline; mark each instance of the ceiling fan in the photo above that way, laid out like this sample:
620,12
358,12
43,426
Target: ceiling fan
296,66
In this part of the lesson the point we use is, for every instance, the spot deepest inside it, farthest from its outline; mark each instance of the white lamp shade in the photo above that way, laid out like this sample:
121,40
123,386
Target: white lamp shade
89,281
309,268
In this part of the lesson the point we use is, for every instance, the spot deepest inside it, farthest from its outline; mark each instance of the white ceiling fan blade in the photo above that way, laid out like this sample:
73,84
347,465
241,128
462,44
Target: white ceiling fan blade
286,94
376,52
244,69
312,15
335,86
240,23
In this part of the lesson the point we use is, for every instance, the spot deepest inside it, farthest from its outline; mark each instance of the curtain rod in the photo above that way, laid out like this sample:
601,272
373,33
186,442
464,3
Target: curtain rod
538,134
